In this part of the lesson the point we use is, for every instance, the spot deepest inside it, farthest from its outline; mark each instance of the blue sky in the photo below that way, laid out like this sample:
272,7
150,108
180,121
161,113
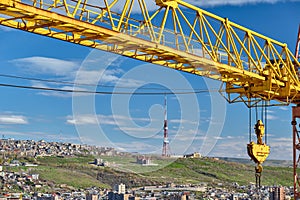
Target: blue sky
204,122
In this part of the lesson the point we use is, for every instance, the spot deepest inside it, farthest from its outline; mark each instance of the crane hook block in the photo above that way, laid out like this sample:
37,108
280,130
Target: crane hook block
258,152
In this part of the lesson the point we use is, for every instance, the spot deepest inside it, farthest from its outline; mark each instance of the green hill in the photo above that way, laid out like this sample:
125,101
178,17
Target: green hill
77,172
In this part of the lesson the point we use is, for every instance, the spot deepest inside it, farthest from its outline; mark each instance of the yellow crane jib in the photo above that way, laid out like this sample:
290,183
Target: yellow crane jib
259,151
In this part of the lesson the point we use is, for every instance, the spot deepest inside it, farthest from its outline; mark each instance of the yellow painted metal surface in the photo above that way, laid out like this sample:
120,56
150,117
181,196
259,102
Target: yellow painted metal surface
258,152
175,34
260,132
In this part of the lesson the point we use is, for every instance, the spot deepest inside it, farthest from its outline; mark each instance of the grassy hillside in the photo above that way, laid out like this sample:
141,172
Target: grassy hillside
218,171
77,172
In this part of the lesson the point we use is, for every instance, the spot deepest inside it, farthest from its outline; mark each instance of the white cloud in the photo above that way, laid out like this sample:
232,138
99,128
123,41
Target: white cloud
42,135
11,134
284,108
134,130
126,118
140,147
188,138
282,140
133,127
44,65
130,82
57,93
69,71
82,120
183,121
281,148
108,76
60,93
271,117
13,119
234,146
185,135
89,119
94,76
218,138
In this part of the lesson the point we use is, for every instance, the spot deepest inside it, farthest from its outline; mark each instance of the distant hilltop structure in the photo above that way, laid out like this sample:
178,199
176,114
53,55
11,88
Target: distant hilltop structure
145,161
193,155
100,162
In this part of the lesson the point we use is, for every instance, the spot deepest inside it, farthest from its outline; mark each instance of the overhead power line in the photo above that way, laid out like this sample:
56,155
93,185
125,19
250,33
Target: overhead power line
74,84
102,92
86,84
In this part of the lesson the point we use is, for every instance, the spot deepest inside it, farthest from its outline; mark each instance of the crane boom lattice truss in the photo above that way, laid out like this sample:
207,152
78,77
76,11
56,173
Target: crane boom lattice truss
174,34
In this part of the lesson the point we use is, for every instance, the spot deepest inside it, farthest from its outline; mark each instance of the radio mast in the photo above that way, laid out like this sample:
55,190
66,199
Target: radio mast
166,147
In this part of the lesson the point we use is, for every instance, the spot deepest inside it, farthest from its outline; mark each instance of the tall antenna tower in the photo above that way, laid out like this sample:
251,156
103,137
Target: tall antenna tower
166,147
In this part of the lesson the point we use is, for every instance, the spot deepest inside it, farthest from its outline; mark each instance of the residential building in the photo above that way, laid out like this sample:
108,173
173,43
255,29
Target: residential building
120,189
92,197
277,193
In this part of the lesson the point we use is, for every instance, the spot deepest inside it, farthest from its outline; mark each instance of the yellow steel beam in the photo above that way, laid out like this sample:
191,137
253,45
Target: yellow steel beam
252,65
